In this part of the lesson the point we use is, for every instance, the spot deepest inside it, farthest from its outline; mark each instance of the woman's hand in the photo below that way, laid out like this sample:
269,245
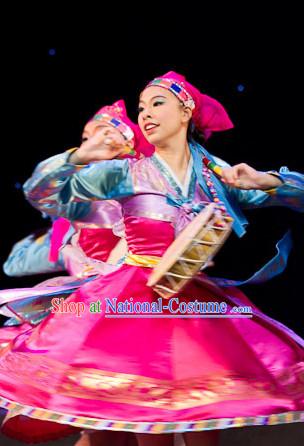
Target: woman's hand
243,176
104,145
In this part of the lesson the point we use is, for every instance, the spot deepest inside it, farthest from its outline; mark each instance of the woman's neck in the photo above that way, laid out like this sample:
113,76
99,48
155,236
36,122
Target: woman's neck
177,155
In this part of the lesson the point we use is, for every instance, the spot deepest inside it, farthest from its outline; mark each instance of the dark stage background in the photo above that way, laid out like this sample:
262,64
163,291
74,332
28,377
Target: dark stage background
54,84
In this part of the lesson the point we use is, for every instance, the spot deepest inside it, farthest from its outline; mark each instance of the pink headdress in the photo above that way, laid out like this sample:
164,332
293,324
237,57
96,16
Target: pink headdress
116,116
207,113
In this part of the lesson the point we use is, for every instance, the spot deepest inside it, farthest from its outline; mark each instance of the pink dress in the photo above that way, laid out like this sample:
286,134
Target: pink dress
84,255
152,374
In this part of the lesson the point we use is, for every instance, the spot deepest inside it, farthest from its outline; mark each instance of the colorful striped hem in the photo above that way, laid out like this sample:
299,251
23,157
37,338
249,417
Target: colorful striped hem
155,427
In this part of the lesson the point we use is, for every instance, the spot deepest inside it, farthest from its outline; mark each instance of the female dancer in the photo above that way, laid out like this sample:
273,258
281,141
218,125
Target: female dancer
192,375
91,243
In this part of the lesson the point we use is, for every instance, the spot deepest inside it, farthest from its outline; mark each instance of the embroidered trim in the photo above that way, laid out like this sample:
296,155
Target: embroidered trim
151,427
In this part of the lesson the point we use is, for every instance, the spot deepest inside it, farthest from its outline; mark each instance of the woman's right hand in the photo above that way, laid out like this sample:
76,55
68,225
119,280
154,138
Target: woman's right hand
103,145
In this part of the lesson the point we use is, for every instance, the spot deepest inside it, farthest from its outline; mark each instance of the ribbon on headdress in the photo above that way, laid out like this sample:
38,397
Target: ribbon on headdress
59,229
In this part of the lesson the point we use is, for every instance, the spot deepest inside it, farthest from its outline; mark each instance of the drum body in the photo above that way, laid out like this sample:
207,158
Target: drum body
191,251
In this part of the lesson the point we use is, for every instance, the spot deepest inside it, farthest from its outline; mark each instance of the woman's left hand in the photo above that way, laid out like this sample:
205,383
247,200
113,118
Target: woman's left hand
243,176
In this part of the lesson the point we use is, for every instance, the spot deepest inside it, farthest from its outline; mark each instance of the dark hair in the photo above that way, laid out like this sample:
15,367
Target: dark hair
193,134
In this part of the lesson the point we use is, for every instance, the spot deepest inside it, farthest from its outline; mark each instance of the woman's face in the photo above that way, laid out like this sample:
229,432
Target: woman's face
92,127
161,115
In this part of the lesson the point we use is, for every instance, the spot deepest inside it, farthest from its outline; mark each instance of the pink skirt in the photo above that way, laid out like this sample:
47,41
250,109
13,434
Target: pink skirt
163,374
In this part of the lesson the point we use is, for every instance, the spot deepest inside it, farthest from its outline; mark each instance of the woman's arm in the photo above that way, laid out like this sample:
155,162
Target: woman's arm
59,187
252,188
30,256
